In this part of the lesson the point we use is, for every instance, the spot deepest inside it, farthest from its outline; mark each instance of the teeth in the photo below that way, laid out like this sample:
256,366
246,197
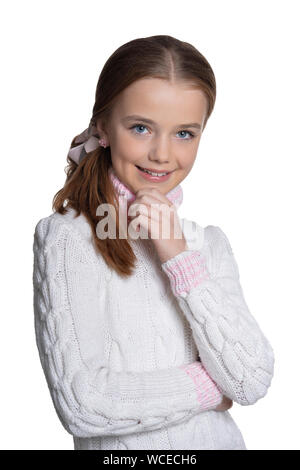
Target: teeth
152,173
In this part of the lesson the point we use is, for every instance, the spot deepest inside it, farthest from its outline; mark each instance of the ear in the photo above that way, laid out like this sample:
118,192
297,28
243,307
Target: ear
101,129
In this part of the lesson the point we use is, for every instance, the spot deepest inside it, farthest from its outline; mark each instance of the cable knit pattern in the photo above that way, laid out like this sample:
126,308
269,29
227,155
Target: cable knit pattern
86,395
132,364
232,347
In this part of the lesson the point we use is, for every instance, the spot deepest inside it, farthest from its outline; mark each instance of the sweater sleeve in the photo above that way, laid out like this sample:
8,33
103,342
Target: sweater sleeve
231,345
90,399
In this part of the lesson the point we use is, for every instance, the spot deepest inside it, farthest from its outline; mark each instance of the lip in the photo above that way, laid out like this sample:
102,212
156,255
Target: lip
154,179
154,170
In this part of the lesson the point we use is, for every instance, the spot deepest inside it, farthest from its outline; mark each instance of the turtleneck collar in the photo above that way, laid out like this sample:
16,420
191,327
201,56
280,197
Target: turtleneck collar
175,195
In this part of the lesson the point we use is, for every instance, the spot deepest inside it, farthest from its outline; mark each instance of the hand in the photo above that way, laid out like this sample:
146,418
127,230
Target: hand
224,405
157,213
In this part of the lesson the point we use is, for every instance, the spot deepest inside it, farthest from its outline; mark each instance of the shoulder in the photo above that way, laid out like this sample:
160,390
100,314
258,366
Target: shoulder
55,227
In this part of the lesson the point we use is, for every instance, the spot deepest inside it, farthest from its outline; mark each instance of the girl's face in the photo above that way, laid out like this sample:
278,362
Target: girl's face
163,136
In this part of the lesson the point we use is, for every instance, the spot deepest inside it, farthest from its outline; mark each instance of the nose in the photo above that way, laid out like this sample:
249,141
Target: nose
159,151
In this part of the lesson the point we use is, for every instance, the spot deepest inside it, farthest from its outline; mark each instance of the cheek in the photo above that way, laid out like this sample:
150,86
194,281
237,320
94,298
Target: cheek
128,146
186,158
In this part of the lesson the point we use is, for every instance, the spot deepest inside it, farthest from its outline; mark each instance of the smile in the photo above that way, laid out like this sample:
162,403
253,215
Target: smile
153,176
153,173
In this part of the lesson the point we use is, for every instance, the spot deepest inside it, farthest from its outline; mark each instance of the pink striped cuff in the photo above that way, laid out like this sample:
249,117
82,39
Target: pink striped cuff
186,270
208,393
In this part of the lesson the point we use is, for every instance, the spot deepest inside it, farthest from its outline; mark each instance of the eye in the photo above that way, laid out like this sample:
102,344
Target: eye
138,126
191,135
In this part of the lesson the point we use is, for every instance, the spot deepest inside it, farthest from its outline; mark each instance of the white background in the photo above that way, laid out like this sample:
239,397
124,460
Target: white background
245,178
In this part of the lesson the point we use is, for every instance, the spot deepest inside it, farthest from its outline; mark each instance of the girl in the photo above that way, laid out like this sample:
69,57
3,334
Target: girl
145,340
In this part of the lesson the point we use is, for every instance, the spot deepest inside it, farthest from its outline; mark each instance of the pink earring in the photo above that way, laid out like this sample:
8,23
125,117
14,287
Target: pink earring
102,143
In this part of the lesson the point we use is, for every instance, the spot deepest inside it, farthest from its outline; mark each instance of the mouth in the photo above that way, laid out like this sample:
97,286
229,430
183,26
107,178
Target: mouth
157,174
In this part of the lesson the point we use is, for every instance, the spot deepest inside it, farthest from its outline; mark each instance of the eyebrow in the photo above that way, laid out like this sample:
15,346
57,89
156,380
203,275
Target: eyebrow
136,117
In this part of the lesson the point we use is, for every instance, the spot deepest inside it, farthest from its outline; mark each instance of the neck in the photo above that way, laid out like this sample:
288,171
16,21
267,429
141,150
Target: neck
175,195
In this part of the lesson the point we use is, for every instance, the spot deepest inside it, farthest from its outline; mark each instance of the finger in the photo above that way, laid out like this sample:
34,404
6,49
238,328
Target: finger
151,200
157,205
152,211
155,193
156,215
153,203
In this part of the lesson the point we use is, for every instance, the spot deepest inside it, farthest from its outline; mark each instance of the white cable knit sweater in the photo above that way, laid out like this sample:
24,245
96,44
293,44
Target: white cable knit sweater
141,363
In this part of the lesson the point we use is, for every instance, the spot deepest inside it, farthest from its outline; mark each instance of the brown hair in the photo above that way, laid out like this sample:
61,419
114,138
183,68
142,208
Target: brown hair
88,184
